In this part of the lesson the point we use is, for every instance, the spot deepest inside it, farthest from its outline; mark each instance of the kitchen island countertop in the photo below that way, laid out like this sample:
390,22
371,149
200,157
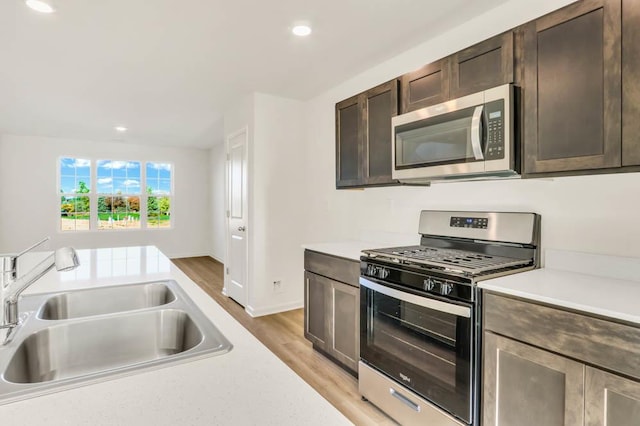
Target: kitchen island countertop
246,386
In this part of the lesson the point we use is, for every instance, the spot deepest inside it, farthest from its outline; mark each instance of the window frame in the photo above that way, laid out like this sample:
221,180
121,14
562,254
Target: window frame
94,195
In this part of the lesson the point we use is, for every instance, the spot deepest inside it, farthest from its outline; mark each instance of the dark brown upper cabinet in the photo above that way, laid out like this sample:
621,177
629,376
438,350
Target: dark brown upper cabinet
363,137
483,66
572,93
630,83
426,86
349,148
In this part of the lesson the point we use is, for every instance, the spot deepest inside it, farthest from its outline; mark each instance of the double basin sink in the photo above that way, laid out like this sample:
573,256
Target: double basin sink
84,336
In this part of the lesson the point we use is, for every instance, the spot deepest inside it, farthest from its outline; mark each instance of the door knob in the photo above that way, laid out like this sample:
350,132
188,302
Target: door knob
241,228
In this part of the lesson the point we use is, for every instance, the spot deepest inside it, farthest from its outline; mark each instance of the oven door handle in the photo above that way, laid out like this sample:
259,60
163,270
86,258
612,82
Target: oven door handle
425,302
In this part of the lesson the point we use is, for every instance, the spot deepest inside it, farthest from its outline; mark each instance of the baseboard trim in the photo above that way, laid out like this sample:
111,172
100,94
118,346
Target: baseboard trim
276,309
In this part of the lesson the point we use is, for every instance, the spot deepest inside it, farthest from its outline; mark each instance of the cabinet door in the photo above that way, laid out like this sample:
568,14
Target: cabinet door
427,86
316,292
572,98
483,66
349,149
344,311
630,82
526,386
380,104
611,400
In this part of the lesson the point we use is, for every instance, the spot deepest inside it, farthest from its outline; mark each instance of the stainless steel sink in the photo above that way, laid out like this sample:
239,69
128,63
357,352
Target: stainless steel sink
57,348
105,300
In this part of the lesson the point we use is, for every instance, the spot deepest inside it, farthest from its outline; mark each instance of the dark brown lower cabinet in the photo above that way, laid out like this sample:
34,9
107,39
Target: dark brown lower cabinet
611,400
526,386
332,308
544,365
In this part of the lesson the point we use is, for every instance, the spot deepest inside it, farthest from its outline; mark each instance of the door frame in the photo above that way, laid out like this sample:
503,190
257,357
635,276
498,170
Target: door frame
227,207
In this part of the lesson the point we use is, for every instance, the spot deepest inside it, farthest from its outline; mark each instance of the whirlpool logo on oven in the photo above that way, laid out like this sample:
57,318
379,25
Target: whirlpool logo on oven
405,378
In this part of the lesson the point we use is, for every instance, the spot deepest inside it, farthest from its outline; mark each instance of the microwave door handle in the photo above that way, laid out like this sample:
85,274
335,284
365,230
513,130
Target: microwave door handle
476,133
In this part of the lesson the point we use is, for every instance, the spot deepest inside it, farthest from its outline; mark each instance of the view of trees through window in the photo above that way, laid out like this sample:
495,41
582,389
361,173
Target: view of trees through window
75,203
117,200
118,185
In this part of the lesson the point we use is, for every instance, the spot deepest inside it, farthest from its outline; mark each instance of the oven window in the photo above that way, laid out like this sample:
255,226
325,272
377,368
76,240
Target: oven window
423,337
425,349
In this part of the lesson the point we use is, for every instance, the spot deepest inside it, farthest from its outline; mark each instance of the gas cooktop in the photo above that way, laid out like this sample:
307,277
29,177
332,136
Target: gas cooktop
471,244
457,260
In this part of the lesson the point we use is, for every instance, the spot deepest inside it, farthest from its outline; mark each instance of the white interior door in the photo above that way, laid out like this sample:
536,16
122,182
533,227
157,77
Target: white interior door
237,253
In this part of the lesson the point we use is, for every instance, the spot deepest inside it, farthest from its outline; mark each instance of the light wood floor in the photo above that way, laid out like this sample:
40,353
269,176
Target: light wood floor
283,334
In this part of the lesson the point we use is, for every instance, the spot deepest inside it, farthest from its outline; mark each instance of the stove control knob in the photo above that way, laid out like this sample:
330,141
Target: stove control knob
428,284
383,273
446,288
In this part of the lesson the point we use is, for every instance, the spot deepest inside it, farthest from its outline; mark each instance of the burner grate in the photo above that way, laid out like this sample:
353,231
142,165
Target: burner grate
459,260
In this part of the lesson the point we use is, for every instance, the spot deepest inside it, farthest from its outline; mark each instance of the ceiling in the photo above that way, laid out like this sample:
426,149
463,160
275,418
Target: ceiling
166,69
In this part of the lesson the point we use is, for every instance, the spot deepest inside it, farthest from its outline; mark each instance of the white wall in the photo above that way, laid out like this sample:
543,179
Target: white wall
28,176
278,216
589,213
217,208
276,180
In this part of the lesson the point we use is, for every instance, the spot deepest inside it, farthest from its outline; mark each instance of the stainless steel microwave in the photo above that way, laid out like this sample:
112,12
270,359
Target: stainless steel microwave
466,138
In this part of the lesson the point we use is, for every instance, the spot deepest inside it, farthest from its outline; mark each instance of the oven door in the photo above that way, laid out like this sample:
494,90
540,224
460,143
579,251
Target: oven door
424,343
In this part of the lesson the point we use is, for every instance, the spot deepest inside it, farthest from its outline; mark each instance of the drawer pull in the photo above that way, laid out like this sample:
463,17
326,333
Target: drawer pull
406,401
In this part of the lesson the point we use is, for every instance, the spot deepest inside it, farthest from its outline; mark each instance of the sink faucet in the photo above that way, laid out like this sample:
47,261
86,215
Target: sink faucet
11,286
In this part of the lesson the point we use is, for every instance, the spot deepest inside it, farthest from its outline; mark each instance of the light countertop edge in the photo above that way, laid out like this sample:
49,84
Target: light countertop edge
351,249
600,295
248,385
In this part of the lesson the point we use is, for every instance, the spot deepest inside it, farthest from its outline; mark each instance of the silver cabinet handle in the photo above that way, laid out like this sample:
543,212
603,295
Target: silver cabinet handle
241,228
406,401
476,133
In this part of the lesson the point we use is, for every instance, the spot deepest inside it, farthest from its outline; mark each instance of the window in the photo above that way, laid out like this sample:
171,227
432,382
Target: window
118,184
158,195
75,189
112,195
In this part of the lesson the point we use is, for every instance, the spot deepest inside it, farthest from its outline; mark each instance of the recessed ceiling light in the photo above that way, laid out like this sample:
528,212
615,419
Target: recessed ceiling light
301,30
40,6
121,129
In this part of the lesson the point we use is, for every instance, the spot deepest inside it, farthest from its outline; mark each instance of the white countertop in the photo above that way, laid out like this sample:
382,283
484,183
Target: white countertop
246,386
352,249
602,285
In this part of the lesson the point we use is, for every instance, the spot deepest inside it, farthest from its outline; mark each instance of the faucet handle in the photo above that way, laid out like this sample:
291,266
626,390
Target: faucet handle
33,246
9,265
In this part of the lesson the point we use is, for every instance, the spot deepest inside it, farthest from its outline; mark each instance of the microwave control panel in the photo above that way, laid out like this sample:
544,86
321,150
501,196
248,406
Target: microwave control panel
495,112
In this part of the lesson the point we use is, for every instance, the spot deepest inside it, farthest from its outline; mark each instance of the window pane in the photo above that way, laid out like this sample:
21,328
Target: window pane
132,186
153,186
67,184
164,186
105,219
105,185
73,171
82,185
159,170
74,213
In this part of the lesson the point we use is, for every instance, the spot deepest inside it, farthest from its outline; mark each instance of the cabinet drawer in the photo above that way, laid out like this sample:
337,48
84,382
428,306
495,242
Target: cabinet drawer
337,268
596,341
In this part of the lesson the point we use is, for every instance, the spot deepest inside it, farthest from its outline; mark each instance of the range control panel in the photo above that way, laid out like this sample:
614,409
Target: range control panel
469,222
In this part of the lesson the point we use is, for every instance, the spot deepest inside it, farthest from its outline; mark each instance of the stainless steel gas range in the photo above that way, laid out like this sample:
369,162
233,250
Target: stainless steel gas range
420,312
